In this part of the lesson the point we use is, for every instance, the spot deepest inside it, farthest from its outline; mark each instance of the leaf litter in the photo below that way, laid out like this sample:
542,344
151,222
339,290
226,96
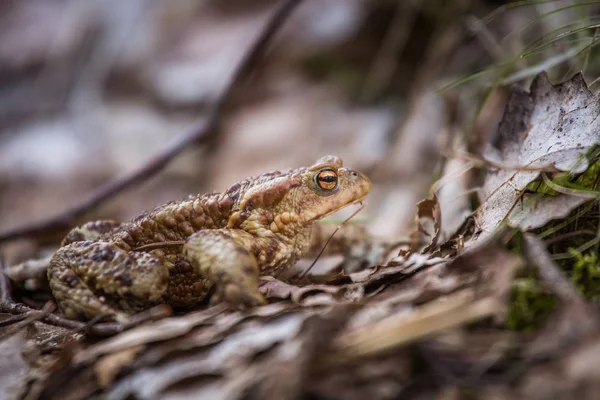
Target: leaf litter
427,321
551,128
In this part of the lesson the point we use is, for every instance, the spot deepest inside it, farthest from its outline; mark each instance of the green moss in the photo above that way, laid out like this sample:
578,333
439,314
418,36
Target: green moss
529,306
574,245
584,271
589,179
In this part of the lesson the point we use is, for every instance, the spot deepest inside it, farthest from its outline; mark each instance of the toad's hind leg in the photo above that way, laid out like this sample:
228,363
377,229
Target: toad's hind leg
223,256
90,279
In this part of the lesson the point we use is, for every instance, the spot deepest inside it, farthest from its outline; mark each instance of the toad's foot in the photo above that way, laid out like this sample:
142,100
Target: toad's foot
223,257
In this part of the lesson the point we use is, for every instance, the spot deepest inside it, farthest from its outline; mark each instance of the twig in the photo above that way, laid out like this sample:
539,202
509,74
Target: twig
200,132
29,318
102,329
4,284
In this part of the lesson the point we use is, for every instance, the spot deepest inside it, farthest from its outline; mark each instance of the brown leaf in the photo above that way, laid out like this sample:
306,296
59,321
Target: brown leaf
427,226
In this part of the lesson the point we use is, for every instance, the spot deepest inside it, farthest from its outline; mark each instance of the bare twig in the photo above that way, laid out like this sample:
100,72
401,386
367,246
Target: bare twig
202,131
102,329
4,284
29,318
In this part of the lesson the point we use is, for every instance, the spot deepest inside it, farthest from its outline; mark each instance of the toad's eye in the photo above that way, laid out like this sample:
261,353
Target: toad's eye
327,179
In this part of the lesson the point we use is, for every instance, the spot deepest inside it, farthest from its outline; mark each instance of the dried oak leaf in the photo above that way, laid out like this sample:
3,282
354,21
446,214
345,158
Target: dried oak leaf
548,129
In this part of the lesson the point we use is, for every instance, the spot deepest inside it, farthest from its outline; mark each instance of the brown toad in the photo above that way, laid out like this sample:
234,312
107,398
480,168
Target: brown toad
176,252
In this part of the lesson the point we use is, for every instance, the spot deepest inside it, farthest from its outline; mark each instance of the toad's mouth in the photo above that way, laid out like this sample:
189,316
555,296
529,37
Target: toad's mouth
360,201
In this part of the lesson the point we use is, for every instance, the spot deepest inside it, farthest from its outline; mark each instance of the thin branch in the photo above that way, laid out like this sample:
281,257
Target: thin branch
202,131
28,319
101,329
4,284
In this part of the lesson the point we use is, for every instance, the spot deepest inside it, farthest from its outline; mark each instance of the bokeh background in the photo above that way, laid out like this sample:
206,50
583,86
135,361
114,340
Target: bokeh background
90,90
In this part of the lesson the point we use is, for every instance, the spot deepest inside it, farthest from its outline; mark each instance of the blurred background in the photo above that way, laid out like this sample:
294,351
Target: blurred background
90,90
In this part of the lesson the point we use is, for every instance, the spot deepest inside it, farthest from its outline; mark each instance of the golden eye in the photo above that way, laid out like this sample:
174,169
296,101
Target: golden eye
327,179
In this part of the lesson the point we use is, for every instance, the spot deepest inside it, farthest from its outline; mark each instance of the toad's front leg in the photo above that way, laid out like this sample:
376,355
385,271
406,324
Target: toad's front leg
225,257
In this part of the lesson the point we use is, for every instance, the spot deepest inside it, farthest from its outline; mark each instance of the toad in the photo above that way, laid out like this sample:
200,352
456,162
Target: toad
217,243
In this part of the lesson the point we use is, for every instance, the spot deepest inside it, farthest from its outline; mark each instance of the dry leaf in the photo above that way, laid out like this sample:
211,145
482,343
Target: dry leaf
550,128
426,228
452,195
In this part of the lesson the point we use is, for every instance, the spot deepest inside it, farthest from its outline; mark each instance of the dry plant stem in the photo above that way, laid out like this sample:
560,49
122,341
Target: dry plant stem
396,331
102,329
536,253
4,284
302,275
29,318
200,132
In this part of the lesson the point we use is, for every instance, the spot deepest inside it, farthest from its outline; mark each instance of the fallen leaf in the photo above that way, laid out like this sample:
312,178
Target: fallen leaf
429,220
426,227
452,195
551,128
